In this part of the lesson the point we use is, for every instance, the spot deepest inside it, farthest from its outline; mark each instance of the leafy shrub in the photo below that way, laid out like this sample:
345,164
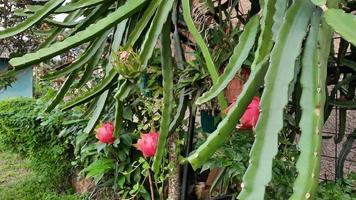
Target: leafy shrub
232,160
27,131
341,189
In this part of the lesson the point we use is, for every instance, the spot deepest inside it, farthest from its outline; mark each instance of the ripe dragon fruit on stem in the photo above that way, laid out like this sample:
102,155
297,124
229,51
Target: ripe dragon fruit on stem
147,144
105,133
250,117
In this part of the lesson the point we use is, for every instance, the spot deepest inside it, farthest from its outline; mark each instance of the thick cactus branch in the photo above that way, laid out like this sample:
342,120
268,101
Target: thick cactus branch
167,73
275,98
313,80
205,51
310,119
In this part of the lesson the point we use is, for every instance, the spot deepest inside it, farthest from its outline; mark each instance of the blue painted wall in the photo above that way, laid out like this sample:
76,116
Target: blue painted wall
22,87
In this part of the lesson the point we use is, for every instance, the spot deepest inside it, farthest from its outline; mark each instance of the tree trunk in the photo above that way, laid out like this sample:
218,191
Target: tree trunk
174,175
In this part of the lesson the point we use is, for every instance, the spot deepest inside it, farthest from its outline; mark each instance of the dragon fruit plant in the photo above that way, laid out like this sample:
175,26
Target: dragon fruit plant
122,36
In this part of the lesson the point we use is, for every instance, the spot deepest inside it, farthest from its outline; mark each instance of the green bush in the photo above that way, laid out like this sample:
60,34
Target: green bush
25,130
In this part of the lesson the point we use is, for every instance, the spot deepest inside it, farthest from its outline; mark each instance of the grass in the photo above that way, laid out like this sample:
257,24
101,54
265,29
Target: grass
19,182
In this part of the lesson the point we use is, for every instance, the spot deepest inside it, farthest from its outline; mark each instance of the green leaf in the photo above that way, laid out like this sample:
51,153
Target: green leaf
203,47
100,166
241,52
274,99
343,23
86,35
121,181
38,16
167,74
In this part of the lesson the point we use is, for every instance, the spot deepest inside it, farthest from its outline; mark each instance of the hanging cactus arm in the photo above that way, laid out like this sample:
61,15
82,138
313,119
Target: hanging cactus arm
119,110
90,66
62,91
30,21
155,30
111,74
319,2
123,91
343,23
280,6
251,87
70,7
81,61
180,113
57,31
98,89
314,94
264,41
179,58
310,129
86,35
167,73
140,26
90,19
98,111
73,75
241,51
203,47
274,99
228,124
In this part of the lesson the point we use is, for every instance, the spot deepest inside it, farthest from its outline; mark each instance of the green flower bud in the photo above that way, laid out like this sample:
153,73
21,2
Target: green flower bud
127,63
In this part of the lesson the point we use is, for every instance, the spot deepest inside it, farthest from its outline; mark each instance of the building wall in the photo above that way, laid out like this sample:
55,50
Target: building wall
22,87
